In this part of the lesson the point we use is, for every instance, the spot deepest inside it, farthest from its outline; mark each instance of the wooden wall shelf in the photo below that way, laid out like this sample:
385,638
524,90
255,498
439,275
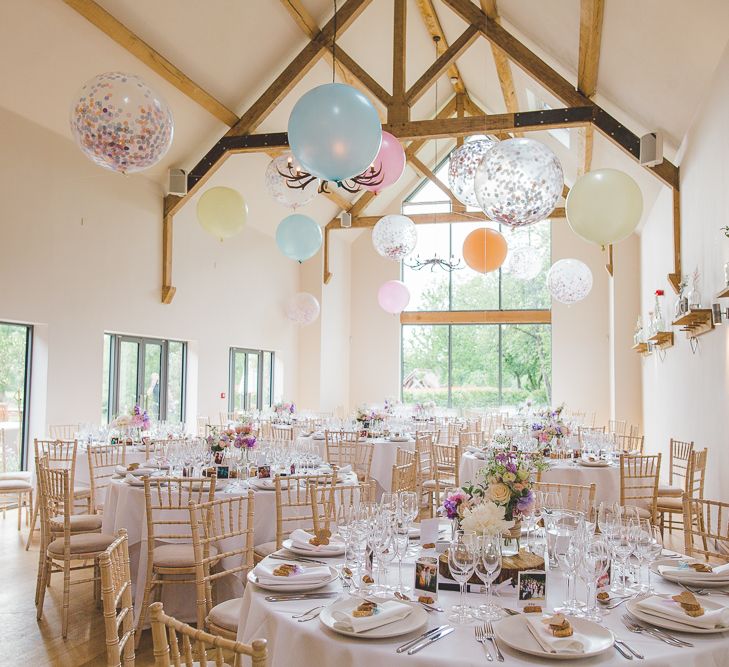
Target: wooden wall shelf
642,348
696,322
662,339
724,294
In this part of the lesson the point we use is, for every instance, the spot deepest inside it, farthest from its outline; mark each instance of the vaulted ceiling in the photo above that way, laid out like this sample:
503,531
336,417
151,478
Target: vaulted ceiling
656,61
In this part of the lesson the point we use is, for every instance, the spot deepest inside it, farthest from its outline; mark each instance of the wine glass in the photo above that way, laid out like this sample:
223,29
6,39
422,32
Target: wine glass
571,561
655,550
401,541
622,545
346,516
487,568
593,565
461,561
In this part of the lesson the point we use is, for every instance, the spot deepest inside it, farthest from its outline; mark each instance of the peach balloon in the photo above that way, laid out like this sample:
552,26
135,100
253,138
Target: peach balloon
484,250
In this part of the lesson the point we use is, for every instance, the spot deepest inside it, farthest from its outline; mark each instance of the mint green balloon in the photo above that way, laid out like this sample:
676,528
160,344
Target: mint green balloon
298,237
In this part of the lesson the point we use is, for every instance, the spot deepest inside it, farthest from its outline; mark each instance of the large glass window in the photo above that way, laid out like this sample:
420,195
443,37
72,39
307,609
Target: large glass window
251,379
469,348
15,358
143,371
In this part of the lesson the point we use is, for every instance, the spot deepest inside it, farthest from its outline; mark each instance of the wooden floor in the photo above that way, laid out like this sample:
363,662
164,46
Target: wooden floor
25,641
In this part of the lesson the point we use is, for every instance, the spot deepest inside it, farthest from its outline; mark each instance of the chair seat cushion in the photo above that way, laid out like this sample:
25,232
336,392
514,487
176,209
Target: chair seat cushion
177,555
670,504
82,544
642,512
10,485
17,474
428,484
81,492
79,522
665,490
226,615
265,549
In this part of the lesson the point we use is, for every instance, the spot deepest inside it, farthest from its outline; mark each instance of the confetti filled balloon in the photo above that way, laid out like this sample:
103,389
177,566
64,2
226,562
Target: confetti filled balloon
299,237
334,131
484,250
569,281
222,212
518,182
303,308
390,163
290,197
604,206
524,262
393,296
462,169
394,236
120,123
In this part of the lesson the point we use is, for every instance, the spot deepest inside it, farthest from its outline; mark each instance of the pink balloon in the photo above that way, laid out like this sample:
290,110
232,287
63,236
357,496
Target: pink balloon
393,296
391,159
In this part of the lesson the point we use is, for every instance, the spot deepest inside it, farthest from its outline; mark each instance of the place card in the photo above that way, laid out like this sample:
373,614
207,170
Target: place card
264,472
426,579
532,588
223,472
429,531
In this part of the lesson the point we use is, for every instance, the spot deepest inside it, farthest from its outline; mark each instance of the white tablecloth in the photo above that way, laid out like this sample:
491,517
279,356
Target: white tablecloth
606,480
384,457
303,644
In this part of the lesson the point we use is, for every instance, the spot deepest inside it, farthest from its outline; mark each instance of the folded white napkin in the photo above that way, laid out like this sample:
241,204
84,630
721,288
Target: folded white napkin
265,484
668,609
345,470
304,575
300,540
551,643
386,613
132,480
719,573
142,470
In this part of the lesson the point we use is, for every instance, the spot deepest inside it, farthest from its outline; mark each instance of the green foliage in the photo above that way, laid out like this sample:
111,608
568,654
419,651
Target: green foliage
12,362
474,397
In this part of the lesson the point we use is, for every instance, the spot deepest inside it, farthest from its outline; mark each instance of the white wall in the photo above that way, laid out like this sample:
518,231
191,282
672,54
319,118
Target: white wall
80,254
685,395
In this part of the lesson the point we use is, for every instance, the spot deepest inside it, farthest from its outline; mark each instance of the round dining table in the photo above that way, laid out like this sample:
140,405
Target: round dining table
291,642
606,479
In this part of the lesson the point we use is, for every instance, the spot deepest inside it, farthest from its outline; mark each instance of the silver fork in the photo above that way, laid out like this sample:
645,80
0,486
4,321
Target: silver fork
703,591
653,632
491,637
481,639
306,613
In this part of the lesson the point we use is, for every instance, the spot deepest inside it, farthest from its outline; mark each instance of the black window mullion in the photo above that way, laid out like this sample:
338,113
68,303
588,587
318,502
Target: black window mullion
450,366
163,370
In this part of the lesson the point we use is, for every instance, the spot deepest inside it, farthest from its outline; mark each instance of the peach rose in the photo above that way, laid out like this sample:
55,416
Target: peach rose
499,493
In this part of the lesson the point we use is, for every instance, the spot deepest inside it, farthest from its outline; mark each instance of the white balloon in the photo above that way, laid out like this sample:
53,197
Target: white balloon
303,308
278,188
524,262
604,206
569,281
462,168
519,182
394,236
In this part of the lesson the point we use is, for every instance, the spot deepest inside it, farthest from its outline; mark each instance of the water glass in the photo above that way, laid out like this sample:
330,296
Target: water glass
488,567
462,561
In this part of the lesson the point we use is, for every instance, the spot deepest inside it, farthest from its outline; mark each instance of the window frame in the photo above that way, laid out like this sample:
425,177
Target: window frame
115,341
260,354
27,378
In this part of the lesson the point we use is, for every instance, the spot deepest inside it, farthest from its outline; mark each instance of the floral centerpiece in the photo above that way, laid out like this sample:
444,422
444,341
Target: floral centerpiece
370,419
501,439
548,425
239,436
284,412
137,419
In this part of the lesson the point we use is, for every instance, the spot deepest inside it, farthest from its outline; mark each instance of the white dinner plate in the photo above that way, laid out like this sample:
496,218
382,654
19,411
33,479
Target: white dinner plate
319,553
660,622
398,438
142,471
415,620
290,586
593,464
698,581
513,631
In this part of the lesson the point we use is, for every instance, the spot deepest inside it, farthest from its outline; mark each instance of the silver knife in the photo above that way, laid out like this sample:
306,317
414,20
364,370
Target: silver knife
297,559
431,640
425,635
661,631
301,596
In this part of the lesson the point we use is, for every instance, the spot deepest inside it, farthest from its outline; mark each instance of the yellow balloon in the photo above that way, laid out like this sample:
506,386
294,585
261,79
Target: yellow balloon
222,212
604,206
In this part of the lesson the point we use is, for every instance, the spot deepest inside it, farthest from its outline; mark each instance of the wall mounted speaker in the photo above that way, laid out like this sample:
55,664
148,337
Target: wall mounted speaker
177,182
345,219
651,149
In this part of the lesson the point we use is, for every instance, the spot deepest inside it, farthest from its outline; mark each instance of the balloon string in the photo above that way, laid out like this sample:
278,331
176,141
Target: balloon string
334,44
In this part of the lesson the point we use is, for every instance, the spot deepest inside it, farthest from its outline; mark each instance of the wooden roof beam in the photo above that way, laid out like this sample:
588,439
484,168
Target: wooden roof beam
591,13
367,221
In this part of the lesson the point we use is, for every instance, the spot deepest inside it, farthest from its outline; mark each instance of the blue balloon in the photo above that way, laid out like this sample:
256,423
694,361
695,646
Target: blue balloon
298,237
334,132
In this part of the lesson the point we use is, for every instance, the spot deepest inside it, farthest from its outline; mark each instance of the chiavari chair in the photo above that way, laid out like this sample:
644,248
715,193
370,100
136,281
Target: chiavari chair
707,522
15,484
170,555
426,475
347,448
678,464
281,432
633,430
293,508
639,477
60,551
116,598
405,472
63,431
446,460
197,647
617,426
588,431
577,497
222,540
103,461
327,497
454,428
630,444
694,480
470,439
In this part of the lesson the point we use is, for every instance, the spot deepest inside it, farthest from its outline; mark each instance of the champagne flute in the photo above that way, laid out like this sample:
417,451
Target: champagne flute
461,561
488,567
594,564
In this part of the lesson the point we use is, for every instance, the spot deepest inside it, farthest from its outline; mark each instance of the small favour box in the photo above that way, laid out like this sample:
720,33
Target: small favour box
429,533
532,588
425,588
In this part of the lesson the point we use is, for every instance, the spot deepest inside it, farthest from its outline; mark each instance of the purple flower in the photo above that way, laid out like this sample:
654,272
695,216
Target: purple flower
511,467
249,441
525,502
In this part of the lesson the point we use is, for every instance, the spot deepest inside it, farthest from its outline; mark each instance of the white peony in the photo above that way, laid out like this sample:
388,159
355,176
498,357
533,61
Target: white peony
486,517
